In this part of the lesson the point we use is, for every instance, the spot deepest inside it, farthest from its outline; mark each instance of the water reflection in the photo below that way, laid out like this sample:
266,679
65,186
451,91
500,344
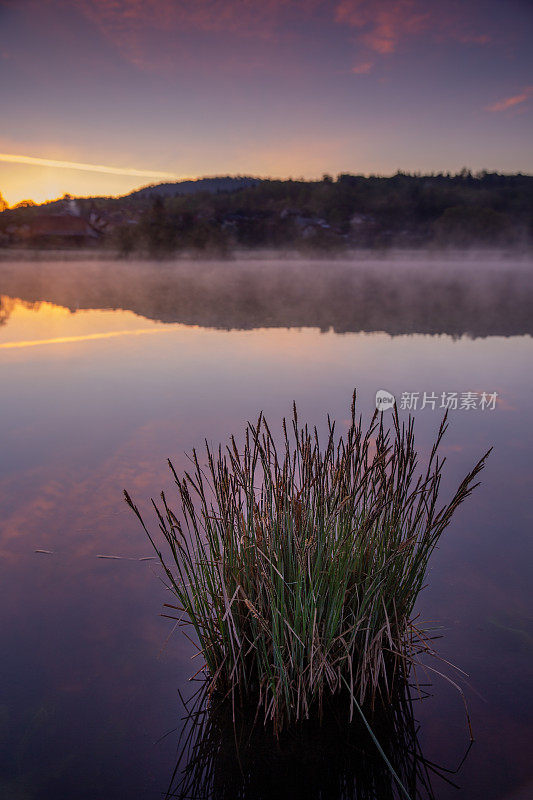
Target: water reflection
474,297
222,759
87,682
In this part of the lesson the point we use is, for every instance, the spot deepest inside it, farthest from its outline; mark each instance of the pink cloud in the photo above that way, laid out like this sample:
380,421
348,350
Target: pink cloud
158,34
472,38
243,17
363,68
155,33
383,24
510,102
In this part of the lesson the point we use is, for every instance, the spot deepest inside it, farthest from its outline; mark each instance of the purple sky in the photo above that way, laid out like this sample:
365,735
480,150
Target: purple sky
139,89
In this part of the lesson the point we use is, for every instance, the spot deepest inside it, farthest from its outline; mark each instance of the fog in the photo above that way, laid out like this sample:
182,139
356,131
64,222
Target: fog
475,294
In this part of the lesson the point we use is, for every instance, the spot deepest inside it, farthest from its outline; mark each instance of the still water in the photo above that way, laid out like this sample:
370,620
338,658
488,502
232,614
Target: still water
108,369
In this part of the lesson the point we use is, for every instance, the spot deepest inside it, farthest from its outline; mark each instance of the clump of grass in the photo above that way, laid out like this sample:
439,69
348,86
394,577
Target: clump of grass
298,566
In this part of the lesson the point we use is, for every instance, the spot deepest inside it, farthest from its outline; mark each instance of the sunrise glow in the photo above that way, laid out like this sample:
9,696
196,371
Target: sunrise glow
118,95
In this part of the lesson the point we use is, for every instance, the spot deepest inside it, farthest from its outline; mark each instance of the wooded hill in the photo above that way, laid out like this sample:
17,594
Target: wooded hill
219,214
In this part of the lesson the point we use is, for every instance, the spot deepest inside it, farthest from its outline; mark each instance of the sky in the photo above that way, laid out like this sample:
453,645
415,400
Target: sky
99,97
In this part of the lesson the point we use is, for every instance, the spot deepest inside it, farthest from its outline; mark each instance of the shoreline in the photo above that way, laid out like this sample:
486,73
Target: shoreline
524,254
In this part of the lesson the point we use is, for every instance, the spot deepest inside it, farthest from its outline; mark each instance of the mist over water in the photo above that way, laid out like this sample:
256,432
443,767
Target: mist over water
478,295
110,367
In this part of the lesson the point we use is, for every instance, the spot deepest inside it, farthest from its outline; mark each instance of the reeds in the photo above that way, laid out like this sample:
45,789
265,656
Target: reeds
298,566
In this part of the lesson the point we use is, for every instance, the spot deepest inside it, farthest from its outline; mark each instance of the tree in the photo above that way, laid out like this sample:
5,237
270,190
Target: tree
24,204
462,226
3,204
159,230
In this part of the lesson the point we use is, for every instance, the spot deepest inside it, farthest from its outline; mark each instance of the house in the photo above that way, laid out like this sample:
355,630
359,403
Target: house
57,229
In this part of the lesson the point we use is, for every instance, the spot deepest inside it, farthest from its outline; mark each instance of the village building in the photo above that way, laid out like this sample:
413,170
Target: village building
46,230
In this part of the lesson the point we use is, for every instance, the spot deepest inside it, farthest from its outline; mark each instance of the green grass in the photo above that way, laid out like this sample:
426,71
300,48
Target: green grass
296,567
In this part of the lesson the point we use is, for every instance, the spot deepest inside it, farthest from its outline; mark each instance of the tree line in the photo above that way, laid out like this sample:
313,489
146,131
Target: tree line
461,210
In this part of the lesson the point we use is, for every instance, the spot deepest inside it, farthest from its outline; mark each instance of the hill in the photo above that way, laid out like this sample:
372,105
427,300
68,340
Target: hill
351,211
211,185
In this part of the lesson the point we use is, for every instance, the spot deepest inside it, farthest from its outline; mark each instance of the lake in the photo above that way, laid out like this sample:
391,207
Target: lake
110,368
